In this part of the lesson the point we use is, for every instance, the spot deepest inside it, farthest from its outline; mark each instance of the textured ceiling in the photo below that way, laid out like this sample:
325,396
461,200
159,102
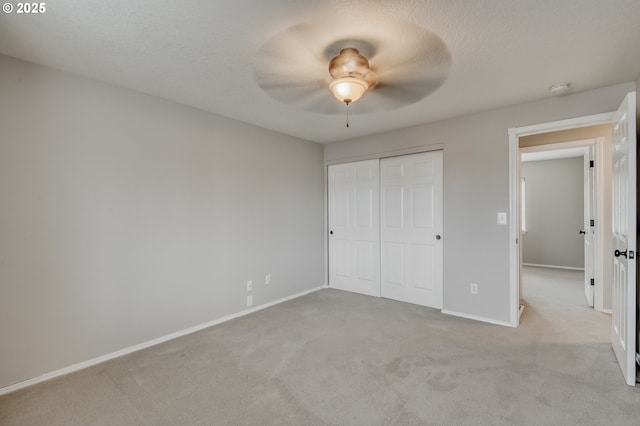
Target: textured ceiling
203,53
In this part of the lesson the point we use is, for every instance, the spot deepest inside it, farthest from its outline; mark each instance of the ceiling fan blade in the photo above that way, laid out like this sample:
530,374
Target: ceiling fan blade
294,51
313,98
305,37
425,49
288,66
419,73
410,83
403,94
279,85
289,72
322,102
294,95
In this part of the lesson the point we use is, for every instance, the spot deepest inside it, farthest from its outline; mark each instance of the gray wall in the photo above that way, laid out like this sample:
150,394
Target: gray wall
554,212
124,218
476,186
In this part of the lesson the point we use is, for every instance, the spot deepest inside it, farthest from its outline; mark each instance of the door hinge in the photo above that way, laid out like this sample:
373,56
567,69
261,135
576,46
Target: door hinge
591,164
593,281
592,222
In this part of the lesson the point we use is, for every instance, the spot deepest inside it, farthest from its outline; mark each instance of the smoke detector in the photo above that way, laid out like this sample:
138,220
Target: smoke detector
559,89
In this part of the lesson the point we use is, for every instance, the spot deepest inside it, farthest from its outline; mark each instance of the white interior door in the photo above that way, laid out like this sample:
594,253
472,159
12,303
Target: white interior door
624,238
588,230
354,227
411,228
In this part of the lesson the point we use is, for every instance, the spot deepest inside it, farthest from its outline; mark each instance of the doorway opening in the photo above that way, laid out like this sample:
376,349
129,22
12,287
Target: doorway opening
562,215
566,134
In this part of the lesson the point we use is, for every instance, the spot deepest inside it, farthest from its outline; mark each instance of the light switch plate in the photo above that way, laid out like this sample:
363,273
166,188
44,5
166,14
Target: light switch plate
502,218
249,300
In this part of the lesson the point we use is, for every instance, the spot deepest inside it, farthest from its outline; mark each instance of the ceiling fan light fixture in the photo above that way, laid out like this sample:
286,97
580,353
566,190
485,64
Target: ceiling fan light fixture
351,75
348,89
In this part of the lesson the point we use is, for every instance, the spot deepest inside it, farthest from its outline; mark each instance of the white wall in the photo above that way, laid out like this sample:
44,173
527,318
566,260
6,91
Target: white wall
554,205
124,218
476,187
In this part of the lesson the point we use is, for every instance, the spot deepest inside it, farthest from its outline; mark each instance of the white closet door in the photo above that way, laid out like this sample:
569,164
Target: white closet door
411,228
354,227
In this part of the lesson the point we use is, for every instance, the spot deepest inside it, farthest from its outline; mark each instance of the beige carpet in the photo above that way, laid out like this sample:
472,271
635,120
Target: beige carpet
338,358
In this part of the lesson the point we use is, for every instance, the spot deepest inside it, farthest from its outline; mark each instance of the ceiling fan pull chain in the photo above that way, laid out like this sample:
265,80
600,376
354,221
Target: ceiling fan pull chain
347,113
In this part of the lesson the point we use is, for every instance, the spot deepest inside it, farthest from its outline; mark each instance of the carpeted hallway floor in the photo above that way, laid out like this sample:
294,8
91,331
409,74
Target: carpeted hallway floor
338,358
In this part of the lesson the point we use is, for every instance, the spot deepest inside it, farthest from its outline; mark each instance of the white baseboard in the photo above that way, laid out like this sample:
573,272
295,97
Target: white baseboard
147,344
553,266
477,318
607,311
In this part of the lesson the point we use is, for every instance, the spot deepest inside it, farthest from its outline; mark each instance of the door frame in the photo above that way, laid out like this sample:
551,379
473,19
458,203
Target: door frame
514,195
598,215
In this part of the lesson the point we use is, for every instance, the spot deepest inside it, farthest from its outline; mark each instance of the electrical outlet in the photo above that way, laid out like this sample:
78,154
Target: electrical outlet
249,286
250,300
267,279
473,288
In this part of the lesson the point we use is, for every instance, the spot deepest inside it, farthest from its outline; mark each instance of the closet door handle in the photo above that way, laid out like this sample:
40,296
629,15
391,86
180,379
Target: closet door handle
438,237
583,232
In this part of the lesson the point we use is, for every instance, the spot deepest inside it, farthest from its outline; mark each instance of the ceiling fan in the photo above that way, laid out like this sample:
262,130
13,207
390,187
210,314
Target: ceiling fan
387,62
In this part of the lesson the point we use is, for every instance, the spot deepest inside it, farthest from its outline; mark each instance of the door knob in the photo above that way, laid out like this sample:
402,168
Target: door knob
438,237
331,232
619,253
583,232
